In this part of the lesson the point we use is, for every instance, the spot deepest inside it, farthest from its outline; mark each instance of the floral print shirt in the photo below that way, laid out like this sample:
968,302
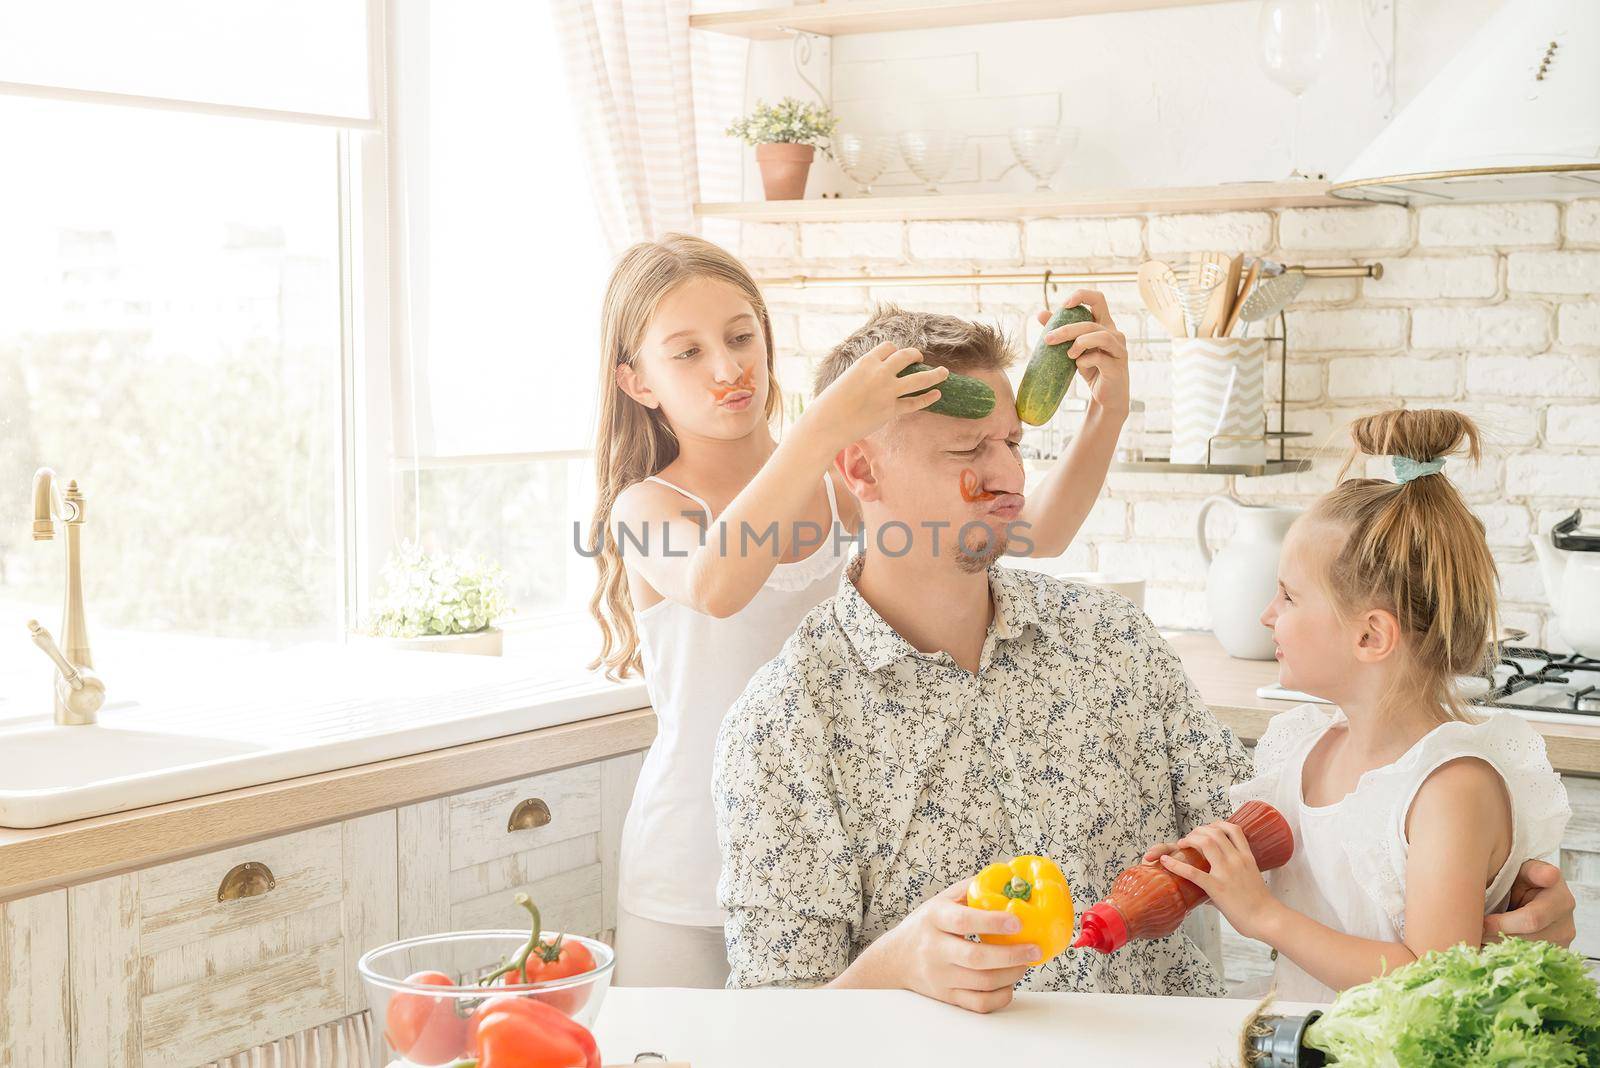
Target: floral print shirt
856,777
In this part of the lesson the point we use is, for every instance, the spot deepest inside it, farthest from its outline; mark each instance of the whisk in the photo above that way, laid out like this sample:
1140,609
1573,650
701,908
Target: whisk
1194,290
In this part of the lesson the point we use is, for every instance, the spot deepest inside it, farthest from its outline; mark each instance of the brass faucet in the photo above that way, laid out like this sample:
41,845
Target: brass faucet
79,693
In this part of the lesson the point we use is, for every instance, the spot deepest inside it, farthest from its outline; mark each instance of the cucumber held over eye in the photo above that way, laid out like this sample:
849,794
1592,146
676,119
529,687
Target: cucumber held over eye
1049,372
959,395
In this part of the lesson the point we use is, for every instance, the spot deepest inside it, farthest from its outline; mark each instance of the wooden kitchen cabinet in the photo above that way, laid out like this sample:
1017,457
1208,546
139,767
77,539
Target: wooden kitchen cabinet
163,974
153,969
34,1027
555,836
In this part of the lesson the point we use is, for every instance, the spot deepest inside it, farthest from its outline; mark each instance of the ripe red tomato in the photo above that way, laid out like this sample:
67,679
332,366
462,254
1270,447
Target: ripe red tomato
559,960
424,1029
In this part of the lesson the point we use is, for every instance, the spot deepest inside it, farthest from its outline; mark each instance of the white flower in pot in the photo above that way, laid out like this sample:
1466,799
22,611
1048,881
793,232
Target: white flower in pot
439,604
786,136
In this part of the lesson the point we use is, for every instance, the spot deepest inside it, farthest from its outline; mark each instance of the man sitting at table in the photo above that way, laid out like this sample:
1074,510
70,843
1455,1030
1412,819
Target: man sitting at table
942,712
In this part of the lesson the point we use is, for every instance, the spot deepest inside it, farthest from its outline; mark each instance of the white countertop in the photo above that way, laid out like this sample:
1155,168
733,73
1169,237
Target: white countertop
829,1028
180,728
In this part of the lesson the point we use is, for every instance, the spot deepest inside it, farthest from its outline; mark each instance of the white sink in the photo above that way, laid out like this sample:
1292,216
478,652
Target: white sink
282,715
54,759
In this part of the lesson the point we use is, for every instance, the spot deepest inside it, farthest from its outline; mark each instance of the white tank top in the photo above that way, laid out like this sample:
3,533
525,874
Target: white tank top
1349,866
695,667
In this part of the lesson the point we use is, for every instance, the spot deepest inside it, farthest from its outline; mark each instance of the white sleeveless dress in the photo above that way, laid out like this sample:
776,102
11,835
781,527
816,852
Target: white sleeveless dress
695,667
1349,866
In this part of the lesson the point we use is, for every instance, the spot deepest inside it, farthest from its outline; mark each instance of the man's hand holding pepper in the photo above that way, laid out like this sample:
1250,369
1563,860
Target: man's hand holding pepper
929,952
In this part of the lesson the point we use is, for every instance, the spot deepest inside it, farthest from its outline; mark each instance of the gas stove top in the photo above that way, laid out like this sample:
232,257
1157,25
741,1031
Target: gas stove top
1558,687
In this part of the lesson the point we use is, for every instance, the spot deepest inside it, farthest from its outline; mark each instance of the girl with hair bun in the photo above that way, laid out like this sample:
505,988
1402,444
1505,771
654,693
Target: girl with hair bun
1411,817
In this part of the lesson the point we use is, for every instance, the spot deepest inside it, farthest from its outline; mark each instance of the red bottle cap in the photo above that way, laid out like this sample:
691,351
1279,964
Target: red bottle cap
1103,929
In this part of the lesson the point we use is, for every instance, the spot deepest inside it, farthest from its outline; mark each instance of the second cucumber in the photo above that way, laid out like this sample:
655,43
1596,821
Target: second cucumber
1049,371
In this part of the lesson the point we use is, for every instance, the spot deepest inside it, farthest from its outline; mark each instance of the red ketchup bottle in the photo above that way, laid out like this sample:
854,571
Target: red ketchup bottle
1148,901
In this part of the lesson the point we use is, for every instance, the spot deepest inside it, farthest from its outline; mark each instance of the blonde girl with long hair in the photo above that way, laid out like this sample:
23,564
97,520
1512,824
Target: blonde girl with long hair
715,539
1411,817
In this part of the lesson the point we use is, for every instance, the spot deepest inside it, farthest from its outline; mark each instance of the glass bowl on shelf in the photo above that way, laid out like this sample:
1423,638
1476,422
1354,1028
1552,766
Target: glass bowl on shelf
1041,150
931,153
863,157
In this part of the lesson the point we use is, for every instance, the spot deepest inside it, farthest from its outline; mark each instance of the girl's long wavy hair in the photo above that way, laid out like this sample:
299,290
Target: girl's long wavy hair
633,442
1417,550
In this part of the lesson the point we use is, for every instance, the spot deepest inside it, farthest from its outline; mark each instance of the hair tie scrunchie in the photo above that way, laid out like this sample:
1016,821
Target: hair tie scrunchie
1406,469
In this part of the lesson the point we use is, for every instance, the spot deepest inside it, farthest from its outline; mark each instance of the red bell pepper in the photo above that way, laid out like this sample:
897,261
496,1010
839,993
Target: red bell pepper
519,1032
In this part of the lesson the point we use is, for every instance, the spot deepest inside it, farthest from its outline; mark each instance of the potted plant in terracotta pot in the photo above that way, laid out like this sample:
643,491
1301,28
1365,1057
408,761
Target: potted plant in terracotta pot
439,604
786,136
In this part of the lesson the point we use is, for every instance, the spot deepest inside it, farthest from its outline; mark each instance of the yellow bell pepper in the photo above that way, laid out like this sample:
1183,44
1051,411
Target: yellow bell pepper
1033,890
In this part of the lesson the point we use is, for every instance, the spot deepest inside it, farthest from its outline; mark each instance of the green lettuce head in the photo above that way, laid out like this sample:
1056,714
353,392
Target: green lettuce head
1510,1003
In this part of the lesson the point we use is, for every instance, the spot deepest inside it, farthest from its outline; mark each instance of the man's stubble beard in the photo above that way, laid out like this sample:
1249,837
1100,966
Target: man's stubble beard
971,559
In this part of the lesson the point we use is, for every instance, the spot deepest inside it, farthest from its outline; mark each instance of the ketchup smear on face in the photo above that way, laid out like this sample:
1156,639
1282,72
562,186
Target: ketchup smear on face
969,487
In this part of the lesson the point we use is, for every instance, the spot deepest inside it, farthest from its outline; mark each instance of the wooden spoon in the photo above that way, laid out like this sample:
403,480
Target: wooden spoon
1238,301
1158,285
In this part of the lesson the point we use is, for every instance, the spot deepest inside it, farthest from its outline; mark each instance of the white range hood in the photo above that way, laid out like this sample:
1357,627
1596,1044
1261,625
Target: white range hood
1516,115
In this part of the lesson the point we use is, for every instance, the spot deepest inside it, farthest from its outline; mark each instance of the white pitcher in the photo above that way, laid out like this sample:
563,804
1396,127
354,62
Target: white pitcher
1243,577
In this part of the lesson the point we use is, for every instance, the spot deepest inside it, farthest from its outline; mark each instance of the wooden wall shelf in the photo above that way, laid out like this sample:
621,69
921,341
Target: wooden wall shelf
1232,196
832,18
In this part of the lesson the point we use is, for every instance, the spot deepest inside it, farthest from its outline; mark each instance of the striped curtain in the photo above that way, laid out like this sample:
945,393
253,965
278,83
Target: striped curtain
653,99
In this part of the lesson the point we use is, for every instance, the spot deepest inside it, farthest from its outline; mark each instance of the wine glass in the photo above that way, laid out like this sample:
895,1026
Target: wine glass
1294,38
931,153
1042,149
863,158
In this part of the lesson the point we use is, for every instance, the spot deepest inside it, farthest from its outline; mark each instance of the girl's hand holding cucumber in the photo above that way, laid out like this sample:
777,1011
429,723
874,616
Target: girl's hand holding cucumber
1080,336
868,395
1099,350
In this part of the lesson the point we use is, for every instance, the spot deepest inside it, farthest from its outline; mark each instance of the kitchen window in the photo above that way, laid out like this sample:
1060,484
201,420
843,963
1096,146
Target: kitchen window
506,267
268,350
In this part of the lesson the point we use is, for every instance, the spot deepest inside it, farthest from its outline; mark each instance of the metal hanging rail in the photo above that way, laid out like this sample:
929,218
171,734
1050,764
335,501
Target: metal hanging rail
1044,277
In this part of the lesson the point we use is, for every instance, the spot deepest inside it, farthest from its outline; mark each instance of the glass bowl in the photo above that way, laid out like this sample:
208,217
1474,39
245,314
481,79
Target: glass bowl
863,157
431,1021
929,154
1042,149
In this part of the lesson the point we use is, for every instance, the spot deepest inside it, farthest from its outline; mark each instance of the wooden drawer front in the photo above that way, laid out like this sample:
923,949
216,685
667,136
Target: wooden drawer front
166,974
461,864
33,981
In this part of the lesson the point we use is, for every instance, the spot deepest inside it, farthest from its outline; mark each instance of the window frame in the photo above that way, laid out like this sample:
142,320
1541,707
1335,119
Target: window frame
372,442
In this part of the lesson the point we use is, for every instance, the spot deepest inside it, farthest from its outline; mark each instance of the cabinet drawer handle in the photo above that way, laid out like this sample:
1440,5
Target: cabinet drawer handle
250,879
530,812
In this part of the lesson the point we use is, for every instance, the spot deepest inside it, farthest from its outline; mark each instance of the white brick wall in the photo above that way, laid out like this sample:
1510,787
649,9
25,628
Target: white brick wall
965,241
1553,272
1082,238
1381,377
1326,229
1580,324
1237,231
1499,326
1583,223
1476,226
1425,278
852,241
1493,310
1573,424
1340,329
